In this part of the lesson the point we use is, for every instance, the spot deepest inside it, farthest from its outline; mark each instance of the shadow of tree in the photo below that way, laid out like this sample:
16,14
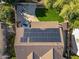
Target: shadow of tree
41,12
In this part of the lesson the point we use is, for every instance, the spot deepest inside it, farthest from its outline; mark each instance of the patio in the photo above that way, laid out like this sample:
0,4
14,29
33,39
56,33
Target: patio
26,11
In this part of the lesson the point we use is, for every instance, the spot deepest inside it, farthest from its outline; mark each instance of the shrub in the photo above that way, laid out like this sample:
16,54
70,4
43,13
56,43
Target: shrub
6,14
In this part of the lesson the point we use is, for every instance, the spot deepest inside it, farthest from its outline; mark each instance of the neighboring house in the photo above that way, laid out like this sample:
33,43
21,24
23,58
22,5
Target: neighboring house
75,41
42,40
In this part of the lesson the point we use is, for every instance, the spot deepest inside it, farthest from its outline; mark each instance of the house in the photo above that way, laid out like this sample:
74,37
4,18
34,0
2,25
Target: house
42,40
75,41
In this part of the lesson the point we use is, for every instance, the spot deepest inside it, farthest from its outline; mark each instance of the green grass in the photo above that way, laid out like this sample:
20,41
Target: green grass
48,15
13,58
75,57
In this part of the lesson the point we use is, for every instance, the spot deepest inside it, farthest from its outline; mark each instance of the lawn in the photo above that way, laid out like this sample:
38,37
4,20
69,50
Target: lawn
75,57
13,58
48,15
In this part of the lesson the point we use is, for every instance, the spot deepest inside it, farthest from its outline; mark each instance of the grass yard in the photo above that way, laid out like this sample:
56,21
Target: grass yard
13,58
48,15
75,57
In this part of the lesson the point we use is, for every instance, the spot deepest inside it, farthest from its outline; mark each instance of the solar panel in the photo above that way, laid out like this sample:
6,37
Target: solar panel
39,35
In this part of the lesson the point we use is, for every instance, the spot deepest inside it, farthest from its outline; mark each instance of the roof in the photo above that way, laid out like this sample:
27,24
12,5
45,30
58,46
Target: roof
46,24
42,27
43,52
43,55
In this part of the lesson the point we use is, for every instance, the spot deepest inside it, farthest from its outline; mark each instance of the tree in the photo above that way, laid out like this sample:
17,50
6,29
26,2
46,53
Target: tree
6,14
10,45
12,2
64,11
58,3
69,8
76,24
47,3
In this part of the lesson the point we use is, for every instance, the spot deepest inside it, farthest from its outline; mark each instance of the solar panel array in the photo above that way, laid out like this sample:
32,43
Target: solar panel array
39,35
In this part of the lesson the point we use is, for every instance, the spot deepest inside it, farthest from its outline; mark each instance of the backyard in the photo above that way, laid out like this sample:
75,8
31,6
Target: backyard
48,15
